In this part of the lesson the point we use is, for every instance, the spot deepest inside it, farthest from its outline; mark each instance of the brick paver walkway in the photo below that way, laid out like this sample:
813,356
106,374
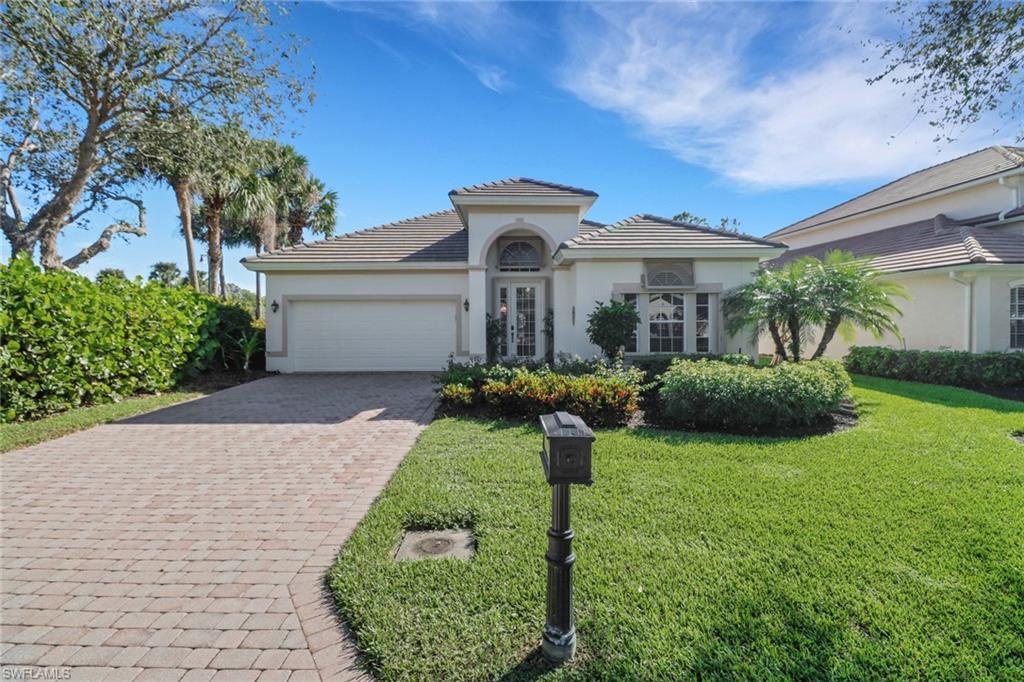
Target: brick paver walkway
191,543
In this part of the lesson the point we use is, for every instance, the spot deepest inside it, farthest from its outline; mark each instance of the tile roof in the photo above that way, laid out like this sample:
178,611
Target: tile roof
973,166
935,243
521,187
649,231
434,237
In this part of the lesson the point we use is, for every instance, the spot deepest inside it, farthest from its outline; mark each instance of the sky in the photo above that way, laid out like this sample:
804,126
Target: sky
759,112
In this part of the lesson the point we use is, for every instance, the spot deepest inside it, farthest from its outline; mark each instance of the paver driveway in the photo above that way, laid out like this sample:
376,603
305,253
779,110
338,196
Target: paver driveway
191,543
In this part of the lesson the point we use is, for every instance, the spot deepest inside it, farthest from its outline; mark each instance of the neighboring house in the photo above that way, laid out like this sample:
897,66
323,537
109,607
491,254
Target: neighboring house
953,235
406,295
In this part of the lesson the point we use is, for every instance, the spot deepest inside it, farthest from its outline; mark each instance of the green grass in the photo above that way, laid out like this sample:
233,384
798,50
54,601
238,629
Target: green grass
23,434
892,550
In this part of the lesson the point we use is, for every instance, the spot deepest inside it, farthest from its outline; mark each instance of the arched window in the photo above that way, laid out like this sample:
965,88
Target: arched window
665,278
519,255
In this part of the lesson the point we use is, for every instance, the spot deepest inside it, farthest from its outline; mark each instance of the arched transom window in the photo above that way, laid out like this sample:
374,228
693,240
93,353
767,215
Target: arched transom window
665,278
519,255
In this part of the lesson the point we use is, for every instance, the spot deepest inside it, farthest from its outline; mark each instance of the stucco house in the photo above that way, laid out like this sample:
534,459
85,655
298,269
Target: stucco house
952,234
406,295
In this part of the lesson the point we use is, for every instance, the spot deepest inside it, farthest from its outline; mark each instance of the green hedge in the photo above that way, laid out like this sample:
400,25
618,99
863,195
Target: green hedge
66,341
605,397
955,368
718,396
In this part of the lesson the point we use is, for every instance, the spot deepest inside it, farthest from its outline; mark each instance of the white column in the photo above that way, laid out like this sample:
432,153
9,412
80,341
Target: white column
561,303
476,318
983,305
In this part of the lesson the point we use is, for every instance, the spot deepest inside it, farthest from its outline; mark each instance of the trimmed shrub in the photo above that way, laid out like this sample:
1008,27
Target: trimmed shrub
67,341
603,396
954,368
601,400
654,366
713,395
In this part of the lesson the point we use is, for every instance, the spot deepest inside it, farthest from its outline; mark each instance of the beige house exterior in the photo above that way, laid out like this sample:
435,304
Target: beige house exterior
407,295
953,235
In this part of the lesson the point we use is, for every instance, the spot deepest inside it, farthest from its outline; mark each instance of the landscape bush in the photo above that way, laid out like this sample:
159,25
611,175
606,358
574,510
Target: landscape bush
718,396
607,395
954,368
654,366
66,341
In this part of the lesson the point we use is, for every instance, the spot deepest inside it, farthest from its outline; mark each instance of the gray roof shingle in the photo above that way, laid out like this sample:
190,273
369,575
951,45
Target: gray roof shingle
925,244
521,187
976,165
647,231
434,237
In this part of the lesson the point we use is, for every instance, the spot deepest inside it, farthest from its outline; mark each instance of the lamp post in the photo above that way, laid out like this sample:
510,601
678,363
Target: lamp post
566,459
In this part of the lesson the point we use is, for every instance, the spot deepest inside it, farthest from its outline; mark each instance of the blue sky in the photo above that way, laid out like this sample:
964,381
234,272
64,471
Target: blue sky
758,112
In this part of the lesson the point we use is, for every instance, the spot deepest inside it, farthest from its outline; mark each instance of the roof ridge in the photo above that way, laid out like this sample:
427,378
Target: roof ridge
883,186
1014,154
712,230
521,178
975,250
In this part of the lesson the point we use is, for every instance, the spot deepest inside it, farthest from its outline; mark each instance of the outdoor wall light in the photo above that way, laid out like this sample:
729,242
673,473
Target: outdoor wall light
274,306
465,305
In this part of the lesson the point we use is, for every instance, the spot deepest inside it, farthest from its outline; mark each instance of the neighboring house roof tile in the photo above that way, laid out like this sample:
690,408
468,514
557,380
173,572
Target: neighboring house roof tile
434,237
973,166
588,226
922,245
521,187
649,231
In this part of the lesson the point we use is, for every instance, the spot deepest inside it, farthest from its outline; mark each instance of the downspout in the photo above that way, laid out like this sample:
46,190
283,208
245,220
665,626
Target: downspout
968,284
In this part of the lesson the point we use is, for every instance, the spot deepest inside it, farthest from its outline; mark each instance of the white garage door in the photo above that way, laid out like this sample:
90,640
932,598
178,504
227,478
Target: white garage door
364,336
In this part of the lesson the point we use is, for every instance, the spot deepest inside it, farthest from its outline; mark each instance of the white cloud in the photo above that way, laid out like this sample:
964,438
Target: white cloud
469,26
753,92
490,76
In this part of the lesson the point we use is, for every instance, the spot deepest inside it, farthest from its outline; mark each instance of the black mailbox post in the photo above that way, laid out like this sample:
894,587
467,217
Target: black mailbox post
566,459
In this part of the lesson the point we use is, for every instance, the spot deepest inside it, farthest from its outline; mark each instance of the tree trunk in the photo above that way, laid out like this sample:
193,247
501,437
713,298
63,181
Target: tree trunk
780,347
214,255
223,284
183,195
295,225
50,219
826,336
793,322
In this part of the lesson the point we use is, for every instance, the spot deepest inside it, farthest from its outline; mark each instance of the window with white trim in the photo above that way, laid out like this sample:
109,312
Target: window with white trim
666,317
703,318
1017,318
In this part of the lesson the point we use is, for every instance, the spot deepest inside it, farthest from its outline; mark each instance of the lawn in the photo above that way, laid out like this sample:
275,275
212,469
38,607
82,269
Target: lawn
892,550
23,434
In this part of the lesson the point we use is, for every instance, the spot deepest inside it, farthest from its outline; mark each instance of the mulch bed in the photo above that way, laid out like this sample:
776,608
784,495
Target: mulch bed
1007,392
842,419
211,382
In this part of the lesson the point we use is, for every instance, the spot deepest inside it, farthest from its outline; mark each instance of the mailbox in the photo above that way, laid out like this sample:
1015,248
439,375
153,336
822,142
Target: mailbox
568,442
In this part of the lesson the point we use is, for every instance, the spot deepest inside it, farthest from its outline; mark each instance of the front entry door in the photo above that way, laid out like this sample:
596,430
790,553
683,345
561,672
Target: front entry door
520,309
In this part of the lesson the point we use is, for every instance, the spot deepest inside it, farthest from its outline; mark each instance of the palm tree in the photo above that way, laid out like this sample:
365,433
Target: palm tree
166,273
849,293
304,201
311,205
777,301
227,181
